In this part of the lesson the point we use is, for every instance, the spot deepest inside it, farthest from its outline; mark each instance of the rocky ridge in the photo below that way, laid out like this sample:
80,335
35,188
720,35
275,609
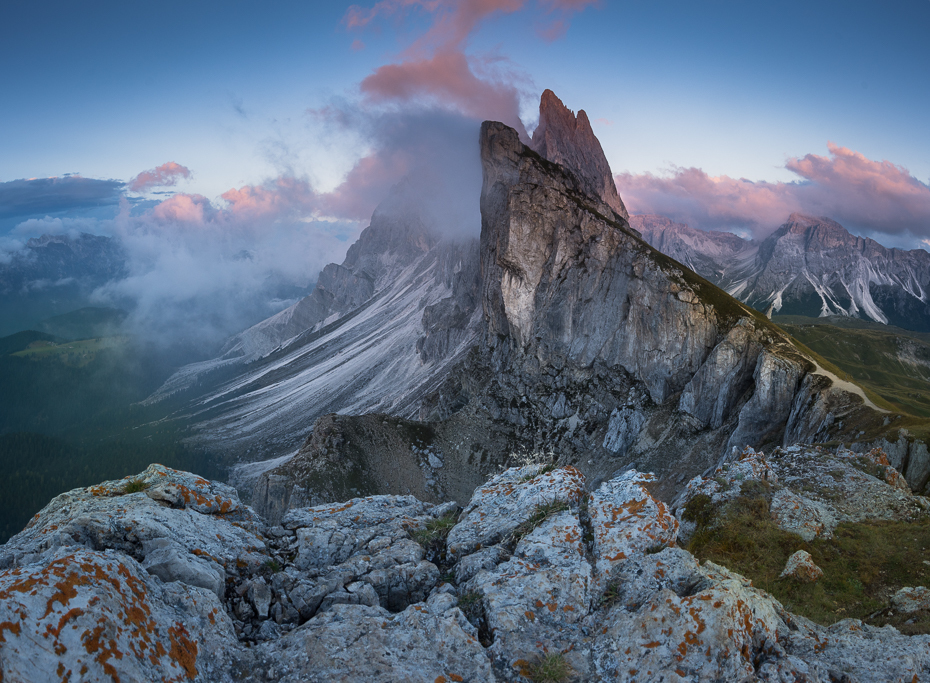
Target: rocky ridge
812,490
539,564
592,344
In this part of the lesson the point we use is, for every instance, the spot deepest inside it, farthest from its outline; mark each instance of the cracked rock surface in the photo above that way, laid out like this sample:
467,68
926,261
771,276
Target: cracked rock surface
104,585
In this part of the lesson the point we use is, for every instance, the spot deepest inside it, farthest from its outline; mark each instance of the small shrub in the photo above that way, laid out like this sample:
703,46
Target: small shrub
545,469
755,488
470,604
552,668
869,466
611,594
699,510
472,607
135,486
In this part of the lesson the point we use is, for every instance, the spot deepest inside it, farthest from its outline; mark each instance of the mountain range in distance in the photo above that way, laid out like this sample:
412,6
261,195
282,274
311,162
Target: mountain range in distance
809,266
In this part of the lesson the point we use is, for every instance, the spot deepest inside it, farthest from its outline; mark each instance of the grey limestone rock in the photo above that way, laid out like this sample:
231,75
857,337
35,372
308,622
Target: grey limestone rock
169,561
508,500
602,584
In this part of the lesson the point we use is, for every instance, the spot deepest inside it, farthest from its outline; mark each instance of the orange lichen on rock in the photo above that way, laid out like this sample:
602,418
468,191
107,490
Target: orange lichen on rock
183,649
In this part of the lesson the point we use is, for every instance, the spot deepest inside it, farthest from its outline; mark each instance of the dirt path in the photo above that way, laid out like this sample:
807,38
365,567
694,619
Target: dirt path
848,386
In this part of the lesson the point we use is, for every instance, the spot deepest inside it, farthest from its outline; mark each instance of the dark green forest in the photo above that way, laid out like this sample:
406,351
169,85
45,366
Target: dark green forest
37,468
69,417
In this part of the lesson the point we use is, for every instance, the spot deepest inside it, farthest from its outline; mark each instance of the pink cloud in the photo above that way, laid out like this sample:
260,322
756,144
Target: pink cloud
367,182
875,196
183,208
286,197
446,77
436,67
162,176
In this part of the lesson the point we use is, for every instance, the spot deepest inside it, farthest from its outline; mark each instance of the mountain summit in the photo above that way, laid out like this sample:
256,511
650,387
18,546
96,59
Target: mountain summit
560,330
567,140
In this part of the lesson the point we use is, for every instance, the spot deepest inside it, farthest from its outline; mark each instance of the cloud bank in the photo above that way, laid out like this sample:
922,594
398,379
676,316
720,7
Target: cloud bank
869,196
203,268
37,196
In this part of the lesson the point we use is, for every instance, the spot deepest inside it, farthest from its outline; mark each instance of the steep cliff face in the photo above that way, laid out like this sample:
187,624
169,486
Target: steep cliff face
595,346
564,281
378,332
809,266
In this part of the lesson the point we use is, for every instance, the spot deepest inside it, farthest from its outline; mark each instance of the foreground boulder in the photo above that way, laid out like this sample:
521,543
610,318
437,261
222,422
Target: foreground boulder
103,584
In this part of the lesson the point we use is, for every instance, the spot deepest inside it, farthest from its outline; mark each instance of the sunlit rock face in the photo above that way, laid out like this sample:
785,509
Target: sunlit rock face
390,588
578,338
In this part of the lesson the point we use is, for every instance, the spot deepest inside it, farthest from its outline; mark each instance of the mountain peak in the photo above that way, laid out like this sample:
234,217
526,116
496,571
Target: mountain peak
566,139
826,233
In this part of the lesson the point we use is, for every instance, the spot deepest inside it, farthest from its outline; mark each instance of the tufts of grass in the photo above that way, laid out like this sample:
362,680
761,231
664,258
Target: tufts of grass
470,604
552,668
545,469
472,607
700,510
864,563
611,594
435,532
540,515
135,486
272,566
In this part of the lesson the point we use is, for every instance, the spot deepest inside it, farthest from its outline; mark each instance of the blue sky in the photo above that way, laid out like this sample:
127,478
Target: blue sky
237,147
276,127
109,89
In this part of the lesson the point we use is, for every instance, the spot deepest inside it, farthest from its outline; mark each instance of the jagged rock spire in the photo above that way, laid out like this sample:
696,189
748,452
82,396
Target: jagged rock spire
566,139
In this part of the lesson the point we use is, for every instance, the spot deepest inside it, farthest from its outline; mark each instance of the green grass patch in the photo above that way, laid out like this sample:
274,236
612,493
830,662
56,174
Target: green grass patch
135,486
890,364
73,353
435,531
864,564
552,668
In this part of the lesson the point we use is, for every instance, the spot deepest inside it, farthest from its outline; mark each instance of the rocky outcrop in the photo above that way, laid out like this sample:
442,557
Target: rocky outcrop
812,490
910,599
380,588
801,567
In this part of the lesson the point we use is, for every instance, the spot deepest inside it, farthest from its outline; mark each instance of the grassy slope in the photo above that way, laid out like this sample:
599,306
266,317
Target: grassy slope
871,355
68,418
864,564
